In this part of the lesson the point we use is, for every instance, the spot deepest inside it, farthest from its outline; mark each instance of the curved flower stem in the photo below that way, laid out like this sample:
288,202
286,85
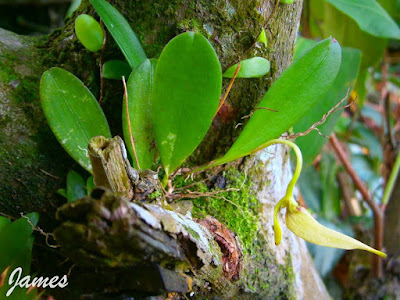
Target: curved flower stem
299,165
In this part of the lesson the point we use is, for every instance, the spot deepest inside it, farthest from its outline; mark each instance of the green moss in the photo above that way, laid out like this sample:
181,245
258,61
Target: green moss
265,276
238,209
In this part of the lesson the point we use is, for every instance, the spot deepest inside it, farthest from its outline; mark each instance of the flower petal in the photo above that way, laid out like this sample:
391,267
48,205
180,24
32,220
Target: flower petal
302,224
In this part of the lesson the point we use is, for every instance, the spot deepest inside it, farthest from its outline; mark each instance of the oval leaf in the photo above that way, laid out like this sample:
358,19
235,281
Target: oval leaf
89,32
296,91
121,31
73,113
115,69
370,16
75,186
139,87
187,88
249,68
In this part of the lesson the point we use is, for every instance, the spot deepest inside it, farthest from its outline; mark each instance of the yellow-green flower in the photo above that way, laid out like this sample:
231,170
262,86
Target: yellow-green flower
302,224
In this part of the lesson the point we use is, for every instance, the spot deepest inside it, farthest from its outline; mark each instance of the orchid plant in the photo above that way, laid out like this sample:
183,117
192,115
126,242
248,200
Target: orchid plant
173,100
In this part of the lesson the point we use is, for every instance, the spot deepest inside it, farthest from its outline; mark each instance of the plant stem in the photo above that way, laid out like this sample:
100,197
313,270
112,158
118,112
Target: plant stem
392,178
376,264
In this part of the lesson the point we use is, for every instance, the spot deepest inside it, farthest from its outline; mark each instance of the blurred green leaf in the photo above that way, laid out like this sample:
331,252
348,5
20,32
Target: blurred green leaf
3,222
249,68
16,251
370,16
311,188
89,32
140,85
362,136
75,186
72,7
312,143
302,46
89,184
187,88
121,31
73,113
294,93
115,69
348,33
330,202
62,192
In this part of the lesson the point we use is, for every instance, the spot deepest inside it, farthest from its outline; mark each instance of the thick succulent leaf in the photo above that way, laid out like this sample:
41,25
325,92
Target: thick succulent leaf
296,91
312,143
249,68
121,31
73,113
302,224
89,32
115,69
187,88
140,85
370,16
75,186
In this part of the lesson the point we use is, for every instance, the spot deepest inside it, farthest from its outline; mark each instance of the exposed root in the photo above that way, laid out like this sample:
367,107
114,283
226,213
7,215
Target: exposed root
334,109
40,230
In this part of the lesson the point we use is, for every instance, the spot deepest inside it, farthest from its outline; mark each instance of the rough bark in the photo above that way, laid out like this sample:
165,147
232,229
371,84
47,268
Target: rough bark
31,152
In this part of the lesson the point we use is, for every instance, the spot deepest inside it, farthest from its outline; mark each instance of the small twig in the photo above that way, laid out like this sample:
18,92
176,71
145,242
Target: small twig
376,265
101,62
228,89
272,15
129,122
49,174
334,109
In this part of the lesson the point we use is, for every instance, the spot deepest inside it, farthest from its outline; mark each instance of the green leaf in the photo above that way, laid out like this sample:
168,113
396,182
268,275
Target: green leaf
15,235
312,143
115,69
75,186
89,184
89,32
249,68
302,46
73,113
262,38
16,251
187,88
296,91
330,202
121,31
287,1
3,222
370,16
62,192
73,7
140,85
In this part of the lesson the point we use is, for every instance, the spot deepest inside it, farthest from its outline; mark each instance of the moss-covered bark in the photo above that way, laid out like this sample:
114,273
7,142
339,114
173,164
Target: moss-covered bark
34,165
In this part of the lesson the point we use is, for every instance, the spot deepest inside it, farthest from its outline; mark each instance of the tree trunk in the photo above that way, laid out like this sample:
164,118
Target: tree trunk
33,165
